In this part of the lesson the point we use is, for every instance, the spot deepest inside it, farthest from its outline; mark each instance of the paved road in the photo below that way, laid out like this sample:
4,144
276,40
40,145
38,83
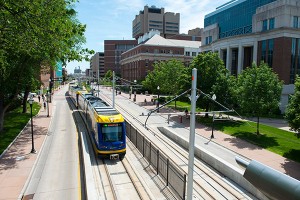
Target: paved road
56,175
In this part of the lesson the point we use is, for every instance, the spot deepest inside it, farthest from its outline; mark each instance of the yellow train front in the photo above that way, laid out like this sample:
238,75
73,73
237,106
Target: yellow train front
106,125
107,128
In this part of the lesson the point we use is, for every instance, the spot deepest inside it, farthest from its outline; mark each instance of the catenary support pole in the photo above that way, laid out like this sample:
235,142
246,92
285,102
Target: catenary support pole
192,136
98,82
114,82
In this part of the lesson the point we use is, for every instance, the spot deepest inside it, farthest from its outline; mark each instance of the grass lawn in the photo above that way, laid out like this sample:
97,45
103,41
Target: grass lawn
281,142
14,122
180,105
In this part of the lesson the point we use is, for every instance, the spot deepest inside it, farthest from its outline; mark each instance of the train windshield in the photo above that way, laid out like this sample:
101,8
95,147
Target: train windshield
112,132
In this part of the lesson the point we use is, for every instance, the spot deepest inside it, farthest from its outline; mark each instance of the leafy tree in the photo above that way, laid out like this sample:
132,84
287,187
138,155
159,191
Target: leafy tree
258,90
108,75
34,34
292,113
171,77
212,78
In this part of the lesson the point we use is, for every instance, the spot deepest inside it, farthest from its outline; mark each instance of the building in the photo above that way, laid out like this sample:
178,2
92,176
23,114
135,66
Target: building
246,31
153,18
137,61
97,66
77,70
112,54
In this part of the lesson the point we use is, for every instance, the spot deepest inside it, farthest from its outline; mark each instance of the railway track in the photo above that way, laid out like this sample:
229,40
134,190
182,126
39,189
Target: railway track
114,179
208,184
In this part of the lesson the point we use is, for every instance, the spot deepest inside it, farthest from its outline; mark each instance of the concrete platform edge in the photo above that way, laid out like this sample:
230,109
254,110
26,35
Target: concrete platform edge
217,163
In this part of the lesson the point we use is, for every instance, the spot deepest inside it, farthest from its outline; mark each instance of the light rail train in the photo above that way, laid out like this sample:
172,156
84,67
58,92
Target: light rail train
107,128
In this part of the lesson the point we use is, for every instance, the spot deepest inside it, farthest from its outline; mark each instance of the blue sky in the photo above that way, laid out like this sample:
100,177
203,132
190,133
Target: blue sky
112,19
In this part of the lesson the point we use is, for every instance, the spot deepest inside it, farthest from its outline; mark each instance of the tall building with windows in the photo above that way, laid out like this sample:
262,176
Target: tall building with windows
97,65
153,18
246,31
112,54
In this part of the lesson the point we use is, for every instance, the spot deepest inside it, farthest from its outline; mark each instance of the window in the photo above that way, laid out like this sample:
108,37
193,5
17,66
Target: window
187,53
265,25
263,50
295,22
194,54
208,40
270,52
112,132
271,23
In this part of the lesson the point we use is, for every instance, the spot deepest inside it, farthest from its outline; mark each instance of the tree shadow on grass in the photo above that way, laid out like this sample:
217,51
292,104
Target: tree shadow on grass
259,140
291,167
293,154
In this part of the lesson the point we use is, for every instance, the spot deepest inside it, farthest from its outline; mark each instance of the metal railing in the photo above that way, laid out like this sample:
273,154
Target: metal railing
174,177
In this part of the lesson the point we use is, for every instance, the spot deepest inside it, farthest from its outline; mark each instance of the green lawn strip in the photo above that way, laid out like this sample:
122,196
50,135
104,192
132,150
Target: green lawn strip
14,122
180,105
279,141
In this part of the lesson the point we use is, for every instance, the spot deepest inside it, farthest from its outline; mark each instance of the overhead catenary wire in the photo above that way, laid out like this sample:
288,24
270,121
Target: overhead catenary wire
226,109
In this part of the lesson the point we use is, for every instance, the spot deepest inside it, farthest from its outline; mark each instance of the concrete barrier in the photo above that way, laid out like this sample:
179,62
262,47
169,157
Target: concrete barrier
232,172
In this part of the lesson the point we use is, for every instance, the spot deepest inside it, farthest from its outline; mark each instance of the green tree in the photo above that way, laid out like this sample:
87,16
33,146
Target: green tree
212,78
108,75
34,34
258,90
171,77
292,113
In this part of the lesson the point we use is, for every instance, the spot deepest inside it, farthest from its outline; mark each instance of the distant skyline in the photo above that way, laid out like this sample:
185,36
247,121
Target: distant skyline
112,20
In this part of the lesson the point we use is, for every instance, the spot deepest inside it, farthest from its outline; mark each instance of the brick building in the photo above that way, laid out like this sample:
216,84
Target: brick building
112,53
139,60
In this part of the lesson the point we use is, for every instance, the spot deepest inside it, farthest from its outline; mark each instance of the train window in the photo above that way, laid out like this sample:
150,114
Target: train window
112,133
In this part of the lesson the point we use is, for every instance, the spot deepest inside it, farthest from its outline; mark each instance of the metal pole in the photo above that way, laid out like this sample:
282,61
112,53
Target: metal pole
192,136
32,148
113,89
212,127
98,80
158,101
48,105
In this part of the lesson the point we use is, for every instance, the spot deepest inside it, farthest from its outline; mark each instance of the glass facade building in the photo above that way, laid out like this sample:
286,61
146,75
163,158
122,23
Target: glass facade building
234,17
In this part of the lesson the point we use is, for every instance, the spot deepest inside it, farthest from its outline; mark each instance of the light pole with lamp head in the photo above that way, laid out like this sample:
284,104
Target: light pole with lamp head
134,98
31,102
158,98
213,119
47,99
50,89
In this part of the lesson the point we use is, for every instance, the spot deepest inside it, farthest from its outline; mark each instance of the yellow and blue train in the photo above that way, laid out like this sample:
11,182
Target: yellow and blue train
106,125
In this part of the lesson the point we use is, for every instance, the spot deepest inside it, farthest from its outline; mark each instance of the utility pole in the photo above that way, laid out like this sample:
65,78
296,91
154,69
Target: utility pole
98,78
114,82
192,136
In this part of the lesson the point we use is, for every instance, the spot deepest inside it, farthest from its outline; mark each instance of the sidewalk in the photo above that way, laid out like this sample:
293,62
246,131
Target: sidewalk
17,162
237,145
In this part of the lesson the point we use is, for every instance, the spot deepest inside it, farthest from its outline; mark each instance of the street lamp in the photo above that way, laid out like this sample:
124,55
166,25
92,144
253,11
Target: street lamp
213,120
47,99
134,98
50,88
30,102
158,98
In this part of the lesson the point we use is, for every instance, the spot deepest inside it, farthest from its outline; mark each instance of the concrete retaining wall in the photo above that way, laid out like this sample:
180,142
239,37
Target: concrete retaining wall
227,169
